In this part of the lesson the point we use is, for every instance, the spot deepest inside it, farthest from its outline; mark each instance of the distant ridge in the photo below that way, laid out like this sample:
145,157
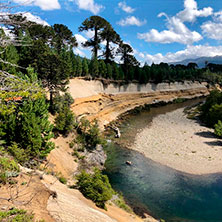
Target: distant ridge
200,61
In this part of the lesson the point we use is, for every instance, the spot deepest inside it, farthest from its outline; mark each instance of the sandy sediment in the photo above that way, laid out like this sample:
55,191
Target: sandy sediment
180,143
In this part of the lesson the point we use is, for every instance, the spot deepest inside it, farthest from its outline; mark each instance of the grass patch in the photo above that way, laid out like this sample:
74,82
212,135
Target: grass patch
120,202
63,180
16,215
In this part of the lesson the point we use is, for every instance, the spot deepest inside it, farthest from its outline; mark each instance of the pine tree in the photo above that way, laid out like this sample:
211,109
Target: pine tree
78,66
85,68
94,68
63,38
96,24
102,69
109,71
115,71
109,35
128,59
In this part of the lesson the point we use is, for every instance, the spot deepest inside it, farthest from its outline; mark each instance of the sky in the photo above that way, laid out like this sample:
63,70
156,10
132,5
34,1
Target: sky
157,30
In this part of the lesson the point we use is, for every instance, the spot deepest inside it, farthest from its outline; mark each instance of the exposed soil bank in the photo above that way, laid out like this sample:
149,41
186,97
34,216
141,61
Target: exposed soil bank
106,103
180,143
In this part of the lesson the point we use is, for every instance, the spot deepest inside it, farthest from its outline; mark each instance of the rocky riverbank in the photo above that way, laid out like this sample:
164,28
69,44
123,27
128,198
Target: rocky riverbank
180,143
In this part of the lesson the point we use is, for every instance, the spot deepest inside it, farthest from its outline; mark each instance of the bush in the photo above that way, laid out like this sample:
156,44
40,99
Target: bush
89,134
62,180
59,101
211,110
218,129
8,167
18,153
95,186
16,215
29,127
65,121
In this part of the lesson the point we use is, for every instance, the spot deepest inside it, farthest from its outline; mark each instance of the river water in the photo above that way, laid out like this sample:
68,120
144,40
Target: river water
165,193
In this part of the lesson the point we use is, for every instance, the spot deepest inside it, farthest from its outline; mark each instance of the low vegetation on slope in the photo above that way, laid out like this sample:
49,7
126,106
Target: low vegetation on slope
211,111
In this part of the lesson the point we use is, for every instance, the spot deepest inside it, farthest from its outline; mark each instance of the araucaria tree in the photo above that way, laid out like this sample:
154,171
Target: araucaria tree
127,57
95,24
110,36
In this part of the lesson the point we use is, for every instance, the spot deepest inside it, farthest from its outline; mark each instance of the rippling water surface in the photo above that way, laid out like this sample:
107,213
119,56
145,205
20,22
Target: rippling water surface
159,190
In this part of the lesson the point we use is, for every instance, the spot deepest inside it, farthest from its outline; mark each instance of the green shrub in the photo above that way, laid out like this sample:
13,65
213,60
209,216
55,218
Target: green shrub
95,186
214,114
64,122
211,110
63,180
218,129
71,144
29,127
18,153
59,101
89,134
16,215
8,168
179,100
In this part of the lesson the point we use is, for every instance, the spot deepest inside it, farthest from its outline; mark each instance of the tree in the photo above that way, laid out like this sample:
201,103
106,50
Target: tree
29,127
63,37
85,68
53,73
64,122
94,68
110,36
96,24
102,69
78,66
127,57
109,71
115,71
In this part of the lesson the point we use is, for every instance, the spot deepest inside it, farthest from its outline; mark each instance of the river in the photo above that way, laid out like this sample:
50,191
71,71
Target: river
163,192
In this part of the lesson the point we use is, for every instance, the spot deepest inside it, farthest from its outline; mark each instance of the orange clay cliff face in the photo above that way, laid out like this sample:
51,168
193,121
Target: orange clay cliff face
95,100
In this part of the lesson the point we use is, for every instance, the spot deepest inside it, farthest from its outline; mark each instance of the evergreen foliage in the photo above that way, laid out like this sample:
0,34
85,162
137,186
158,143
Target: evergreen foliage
16,215
29,127
89,134
218,128
64,122
95,186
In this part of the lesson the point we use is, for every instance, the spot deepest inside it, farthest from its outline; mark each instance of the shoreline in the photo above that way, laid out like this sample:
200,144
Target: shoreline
175,141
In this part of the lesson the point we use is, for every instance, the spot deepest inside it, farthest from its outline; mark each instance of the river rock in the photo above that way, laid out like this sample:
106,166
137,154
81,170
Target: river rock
96,158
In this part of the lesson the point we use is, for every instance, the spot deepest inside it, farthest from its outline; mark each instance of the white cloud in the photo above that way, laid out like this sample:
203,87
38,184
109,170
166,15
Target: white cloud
218,16
79,52
125,7
131,20
191,11
43,4
34,18
191,52
212,30
177,32
89,34
89,5
80,39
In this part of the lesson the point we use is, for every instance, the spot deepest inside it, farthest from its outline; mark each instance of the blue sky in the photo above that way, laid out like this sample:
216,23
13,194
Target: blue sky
158,30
